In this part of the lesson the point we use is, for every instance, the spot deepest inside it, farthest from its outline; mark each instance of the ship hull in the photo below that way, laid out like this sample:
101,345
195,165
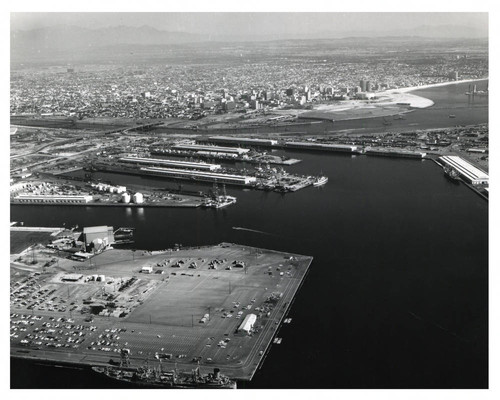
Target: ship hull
152,384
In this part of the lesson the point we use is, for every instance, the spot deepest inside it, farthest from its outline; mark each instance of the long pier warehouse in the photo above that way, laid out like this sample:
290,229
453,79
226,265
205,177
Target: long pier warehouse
171,163
200,175
466,170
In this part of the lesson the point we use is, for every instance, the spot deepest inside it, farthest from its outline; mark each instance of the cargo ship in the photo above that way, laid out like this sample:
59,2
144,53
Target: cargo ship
157,378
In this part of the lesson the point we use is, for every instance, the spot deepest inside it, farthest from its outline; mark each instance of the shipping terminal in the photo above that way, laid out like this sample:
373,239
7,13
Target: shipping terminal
208,315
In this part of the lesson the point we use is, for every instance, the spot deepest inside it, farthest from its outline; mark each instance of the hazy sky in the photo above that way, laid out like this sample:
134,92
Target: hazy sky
248,23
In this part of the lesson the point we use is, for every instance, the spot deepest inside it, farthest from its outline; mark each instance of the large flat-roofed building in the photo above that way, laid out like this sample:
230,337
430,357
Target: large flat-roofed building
200,175
220,149
216,153
395,153
466,170
243,140
172,163
322,146
53,199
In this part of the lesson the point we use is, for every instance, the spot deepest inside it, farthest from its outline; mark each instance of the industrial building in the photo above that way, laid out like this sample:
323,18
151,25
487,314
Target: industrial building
221,149
467,171
98,237
200,175
217,154
241,140
172,163
248,323
322,146
53,199
395,153
71,277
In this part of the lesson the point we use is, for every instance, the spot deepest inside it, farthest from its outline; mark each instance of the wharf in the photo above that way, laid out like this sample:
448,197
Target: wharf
166,311
185,203
265,158
388,152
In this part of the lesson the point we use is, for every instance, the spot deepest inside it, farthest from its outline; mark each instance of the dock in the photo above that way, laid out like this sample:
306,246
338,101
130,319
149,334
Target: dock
165,313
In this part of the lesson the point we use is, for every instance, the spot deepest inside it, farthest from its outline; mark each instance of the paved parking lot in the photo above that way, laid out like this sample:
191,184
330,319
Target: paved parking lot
167,322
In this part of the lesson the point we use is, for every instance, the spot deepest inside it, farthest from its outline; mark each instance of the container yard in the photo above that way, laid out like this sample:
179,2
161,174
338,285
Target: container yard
219,306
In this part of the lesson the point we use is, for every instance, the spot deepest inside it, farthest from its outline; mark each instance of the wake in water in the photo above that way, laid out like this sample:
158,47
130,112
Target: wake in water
437,326
239,228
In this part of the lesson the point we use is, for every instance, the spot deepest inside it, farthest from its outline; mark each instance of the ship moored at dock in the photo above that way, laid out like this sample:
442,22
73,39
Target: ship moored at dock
156,377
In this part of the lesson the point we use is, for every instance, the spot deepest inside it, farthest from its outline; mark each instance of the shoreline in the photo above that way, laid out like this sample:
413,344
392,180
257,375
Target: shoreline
433,85
393,98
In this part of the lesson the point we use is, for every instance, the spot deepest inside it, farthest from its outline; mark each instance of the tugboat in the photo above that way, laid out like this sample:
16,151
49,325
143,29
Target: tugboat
452,174
320,181
218,201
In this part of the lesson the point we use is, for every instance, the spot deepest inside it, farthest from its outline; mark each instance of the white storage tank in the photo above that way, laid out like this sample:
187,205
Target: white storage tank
125,198
138,198
111,189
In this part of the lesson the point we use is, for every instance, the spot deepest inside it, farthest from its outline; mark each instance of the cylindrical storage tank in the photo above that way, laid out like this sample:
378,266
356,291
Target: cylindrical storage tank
110,189
138,198
125,198
100,188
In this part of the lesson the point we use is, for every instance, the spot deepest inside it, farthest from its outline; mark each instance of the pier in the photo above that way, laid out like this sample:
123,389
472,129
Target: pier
228,282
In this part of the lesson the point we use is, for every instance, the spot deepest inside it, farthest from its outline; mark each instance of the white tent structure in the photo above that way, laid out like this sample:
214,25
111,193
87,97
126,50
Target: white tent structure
247,324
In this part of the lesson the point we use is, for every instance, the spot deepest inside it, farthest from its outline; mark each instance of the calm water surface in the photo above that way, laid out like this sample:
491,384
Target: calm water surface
397,295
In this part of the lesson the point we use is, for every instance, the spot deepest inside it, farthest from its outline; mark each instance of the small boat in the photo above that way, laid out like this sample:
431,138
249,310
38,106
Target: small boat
320,181
452,116
219,202
452,173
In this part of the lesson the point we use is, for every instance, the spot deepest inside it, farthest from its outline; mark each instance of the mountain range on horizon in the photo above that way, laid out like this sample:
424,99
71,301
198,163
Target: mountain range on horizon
64,37
64,42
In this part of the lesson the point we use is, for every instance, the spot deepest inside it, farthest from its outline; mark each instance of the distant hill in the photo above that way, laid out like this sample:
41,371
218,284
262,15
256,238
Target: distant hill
74,42
73,37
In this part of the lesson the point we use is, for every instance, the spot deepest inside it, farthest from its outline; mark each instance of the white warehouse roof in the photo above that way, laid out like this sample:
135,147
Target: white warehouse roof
247,323
466,169
223,178
173,163
237,150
